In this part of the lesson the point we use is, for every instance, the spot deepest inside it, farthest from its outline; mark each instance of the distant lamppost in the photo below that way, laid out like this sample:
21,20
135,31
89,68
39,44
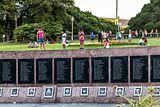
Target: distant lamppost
116,8
16,24
72,19
119,26
117,20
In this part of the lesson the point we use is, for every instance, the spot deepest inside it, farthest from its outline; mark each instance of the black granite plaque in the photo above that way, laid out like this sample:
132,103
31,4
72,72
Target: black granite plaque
100,69
62,70
8,71
139,68
44,70
81,70
155,68
119,69
25,71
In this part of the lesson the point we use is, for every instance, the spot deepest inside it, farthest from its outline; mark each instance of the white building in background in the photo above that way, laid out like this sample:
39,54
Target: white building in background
123,23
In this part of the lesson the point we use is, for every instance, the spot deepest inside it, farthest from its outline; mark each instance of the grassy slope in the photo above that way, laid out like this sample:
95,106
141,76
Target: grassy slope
58,46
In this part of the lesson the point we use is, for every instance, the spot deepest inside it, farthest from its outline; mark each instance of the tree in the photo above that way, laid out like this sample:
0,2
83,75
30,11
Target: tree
7,15
88,22
29,31
148,18
52,15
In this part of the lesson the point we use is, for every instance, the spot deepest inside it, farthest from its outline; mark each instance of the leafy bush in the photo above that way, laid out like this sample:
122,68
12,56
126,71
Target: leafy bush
28,31
147,100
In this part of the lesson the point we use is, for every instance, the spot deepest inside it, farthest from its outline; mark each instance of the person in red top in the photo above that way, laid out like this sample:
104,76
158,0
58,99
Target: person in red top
81,38
41,38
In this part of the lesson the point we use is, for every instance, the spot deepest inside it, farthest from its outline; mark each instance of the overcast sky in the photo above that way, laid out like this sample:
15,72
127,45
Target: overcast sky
107,8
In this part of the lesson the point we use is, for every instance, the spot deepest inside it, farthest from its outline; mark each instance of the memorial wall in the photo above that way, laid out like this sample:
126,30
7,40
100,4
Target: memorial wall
69,74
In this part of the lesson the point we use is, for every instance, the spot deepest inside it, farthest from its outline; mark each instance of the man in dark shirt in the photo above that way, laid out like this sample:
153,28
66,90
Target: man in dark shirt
100,37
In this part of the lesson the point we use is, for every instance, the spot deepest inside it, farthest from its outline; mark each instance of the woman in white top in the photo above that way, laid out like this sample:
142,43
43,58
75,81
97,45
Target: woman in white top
64,39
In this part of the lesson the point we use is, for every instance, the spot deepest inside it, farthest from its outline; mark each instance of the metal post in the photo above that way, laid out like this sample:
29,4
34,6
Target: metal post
72,19
117,22
15,26
116,8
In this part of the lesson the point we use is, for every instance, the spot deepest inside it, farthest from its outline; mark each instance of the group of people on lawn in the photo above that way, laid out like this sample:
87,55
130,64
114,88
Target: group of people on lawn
81,36
102,37
142,41
41,39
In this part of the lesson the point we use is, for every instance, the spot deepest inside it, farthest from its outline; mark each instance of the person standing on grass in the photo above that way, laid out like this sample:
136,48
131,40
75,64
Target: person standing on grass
110,35
64,38
92,36
129,36
81,38
136,33
41,38
100,37
151,33
145,33
156,32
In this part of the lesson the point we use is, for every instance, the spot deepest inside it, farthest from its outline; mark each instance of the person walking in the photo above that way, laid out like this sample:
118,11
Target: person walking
41,38
92,36
81,38
64,38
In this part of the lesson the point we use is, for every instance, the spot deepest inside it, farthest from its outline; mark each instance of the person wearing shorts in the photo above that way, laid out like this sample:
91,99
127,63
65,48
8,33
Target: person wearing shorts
81,38
41,38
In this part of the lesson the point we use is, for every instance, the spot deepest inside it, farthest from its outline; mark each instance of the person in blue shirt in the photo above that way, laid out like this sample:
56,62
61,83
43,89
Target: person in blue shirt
92,36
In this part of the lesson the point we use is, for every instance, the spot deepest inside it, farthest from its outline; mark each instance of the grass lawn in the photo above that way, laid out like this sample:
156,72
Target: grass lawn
58,46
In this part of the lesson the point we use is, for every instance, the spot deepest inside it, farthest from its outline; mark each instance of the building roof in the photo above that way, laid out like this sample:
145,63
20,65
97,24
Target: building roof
123,22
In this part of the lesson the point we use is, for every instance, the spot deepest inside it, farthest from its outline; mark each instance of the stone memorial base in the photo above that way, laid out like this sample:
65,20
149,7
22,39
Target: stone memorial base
23,97
79,76
112,95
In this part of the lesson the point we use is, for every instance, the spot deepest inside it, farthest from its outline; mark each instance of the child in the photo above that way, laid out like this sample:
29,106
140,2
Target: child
106,43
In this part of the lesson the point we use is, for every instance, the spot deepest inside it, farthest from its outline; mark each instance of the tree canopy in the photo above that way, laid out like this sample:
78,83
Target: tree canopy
148,18
52,15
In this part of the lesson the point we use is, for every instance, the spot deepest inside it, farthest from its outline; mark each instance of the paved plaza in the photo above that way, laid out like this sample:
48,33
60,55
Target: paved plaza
57,105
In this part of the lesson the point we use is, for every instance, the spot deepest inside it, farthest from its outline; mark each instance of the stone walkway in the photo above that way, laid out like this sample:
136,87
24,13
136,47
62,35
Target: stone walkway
57,105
